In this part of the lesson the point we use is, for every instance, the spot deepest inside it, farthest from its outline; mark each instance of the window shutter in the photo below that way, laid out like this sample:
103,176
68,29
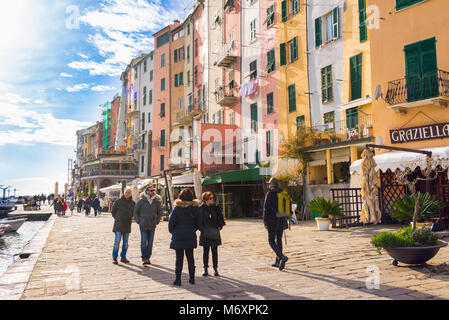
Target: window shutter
324,97
356,77
181,80
336,23
268,143
163,138
176,80
295,48
270,103
296,6
428,56
362,21
282,54
284,10
352,118
318,37
291,98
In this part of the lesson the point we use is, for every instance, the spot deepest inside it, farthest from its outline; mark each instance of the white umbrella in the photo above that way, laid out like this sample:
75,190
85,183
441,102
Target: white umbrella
197,183
370,209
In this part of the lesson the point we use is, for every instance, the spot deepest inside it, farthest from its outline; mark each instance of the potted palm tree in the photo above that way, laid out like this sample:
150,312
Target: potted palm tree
327,208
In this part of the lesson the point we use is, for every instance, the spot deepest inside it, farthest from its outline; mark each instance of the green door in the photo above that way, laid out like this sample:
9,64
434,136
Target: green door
352,118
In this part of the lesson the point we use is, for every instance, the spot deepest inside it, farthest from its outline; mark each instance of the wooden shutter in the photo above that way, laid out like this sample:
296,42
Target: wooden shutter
412,71
270,103
163,138
181,80
284,10
254,117
291,98
295,49
318,36
268,143
352,118
429,68
362,21
336,23
176,80
282,54
296,6
356,77
324,97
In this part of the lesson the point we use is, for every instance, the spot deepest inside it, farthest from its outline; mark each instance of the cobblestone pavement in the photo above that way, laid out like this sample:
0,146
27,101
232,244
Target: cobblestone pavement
76,263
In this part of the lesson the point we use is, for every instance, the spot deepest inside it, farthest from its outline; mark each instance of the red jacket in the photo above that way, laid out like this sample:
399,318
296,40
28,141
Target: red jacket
64,206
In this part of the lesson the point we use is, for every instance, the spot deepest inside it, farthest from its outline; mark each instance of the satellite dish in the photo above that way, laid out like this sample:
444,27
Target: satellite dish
378,92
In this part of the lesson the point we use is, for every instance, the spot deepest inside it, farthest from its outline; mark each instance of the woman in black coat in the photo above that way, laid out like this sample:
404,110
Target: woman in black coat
182,226
210,221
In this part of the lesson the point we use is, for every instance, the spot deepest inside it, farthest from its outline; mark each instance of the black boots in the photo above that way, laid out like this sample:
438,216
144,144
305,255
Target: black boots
177,282
205,274
276,264
216,272
192,276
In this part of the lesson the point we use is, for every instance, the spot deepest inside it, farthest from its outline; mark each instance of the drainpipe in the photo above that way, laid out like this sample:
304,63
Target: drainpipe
304,178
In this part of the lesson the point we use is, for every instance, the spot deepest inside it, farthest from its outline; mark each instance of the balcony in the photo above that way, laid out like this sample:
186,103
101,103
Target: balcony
414,92
226,96
345,130
226,57
186,115
108,173
160,144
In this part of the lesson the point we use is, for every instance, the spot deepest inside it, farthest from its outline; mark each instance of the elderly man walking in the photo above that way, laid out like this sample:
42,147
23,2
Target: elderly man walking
147,213
275,223
122,212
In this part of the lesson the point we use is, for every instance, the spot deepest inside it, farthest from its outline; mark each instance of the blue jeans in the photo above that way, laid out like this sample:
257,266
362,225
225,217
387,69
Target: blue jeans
146,242
118,238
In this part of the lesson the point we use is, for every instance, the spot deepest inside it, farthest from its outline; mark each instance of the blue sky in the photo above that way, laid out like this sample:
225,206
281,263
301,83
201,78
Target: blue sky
60,60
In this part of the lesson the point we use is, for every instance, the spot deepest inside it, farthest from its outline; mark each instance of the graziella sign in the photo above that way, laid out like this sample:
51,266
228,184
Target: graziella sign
433,131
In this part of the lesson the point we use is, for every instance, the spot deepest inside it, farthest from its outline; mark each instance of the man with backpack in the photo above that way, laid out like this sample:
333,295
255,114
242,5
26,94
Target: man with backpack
276,212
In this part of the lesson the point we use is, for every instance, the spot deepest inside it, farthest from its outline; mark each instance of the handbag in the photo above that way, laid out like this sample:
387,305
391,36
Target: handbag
211,233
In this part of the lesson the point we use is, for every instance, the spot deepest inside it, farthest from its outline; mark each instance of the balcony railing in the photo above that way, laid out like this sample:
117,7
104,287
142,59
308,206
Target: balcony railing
160,144
94,173
226,57
186,115
350,129
226,96
414,89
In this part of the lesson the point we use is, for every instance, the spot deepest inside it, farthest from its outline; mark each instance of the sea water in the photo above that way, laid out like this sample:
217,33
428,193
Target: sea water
13,243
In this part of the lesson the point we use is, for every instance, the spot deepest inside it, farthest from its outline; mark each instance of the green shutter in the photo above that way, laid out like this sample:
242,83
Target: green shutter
356,77
163,138
176,80
268,135
352,118
300,123
270,103
296,6
181,80
362,21
401,4
336,23
284,10
282,54
254,117
412,71
291,98
324,97
318,36
295,48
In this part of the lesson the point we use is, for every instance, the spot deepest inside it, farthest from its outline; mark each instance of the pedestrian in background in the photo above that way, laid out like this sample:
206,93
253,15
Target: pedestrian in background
182,225
96,205
274,223
147,214
210,221
72,206
80,205
87,206
64,207
122,212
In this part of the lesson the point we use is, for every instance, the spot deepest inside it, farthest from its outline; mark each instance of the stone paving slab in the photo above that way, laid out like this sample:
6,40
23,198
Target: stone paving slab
76,264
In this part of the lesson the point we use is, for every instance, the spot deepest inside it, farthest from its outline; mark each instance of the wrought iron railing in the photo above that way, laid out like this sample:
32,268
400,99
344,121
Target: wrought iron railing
349,129
411,89
93,173
225,92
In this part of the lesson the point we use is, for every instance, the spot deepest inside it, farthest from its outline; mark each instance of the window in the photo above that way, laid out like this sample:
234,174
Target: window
142,163
144,96
181,102
289,8
176,80
421,70
143,121
270,61
269,136
162,113
150,94
269,21
362,21
196,75
401,4
329,121
356,76
352,118
331,30
253,70
145,66
162,159
289,51
162,144
270,103
151,75
188,77
188,53
188,28
253,117
253,30
199,98
232,118
163,39
163,60
180,79
291,98
300,123
162,84
149,117
326,84
196,47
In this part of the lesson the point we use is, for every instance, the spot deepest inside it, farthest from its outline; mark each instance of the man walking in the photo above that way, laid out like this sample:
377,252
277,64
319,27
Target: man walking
96,205
122,212
147,213
275,223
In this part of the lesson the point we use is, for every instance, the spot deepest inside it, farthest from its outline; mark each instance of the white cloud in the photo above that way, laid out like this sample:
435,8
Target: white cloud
65,75
37,185
78,87
82,55
13,98
102,88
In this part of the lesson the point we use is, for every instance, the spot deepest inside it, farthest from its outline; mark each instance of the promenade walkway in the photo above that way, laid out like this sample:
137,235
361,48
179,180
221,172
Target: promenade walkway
75,263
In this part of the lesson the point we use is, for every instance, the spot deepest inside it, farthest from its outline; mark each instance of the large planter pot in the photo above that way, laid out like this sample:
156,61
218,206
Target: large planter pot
323,223
414,255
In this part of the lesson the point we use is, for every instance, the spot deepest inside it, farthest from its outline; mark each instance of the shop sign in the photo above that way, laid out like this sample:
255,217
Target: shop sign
433,131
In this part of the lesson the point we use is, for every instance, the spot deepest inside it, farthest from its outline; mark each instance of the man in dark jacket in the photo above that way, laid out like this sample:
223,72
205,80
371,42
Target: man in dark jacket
122,212
96,205
147,214
274,223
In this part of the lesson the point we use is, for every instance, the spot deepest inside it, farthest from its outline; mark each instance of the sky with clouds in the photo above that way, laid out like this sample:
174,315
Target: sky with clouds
60,60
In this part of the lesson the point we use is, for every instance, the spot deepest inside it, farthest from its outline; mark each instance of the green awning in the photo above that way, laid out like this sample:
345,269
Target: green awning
235,176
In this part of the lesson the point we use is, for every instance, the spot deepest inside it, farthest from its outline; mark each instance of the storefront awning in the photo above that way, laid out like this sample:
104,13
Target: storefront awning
318,159
235,176
340,155
402,160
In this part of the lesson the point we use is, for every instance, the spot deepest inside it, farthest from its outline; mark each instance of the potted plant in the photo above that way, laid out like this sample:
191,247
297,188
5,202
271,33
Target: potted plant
327,208
428,207
412,245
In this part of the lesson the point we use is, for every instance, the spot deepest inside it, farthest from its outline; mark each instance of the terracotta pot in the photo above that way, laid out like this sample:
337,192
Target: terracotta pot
323,223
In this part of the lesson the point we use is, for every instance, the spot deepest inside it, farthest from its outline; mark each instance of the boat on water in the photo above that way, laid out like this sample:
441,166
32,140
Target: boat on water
14,223
4,229
7,206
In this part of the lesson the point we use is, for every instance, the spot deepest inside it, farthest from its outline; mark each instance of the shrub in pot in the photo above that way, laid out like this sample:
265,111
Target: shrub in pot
428,207
327,208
